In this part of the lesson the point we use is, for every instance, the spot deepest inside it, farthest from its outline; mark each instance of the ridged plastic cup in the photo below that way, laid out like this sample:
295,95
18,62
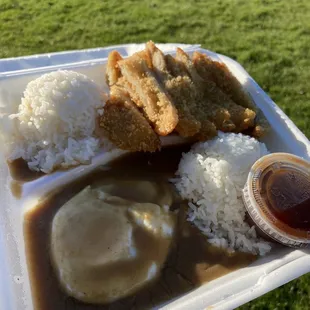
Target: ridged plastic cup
295,172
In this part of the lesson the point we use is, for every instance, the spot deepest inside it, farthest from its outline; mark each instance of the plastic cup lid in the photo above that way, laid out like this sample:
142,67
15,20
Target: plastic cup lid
277,198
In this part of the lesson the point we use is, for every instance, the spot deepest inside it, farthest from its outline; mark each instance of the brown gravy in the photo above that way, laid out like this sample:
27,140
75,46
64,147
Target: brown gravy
20,171
191,262
21,174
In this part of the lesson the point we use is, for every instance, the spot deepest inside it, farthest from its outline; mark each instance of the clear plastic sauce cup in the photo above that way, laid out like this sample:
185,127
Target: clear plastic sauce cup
277,198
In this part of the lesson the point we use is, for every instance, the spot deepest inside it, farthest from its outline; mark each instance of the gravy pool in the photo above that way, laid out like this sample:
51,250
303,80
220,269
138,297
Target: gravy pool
191,262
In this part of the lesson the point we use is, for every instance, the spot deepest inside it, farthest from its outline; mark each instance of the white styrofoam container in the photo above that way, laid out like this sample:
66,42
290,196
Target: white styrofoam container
279,267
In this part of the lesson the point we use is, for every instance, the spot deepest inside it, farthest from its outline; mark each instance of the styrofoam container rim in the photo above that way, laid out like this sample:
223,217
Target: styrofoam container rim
227,292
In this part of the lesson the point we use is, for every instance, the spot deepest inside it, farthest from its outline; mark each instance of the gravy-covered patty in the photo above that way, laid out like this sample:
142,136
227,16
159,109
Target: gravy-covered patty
97,241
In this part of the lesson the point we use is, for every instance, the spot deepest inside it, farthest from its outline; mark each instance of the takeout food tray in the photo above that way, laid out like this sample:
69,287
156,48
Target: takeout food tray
279,267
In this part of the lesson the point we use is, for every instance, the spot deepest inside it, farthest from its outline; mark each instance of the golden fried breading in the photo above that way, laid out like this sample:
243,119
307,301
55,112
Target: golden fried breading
156,104
262,126
125,126
219,73
124,83
192,120
210,115
188,125
114,75
146,57
241,117
153,93
174,67
187,100
113,72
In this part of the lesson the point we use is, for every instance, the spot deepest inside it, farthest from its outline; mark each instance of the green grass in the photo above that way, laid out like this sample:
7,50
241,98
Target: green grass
271,39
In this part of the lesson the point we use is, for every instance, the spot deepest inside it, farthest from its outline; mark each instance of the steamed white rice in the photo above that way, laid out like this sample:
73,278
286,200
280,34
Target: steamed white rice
211,177
55,123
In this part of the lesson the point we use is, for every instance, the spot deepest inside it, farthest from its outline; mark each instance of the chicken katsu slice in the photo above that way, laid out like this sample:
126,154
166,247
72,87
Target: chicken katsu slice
175,68
113,72
122,82
114,75
210,117
145,55
262,126
180,90
203,109
188,125
156,104
158,62
125,126
241,117
183,59
219,73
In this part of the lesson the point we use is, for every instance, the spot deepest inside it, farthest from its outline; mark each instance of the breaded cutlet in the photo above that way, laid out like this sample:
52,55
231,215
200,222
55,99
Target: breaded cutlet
125,126
241,117
262,126
178,89
154,101
113,72
186,93
155,94
220,74
210,115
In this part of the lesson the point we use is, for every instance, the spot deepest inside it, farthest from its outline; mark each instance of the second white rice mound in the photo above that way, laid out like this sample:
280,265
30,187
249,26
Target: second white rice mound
211,176
55,123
